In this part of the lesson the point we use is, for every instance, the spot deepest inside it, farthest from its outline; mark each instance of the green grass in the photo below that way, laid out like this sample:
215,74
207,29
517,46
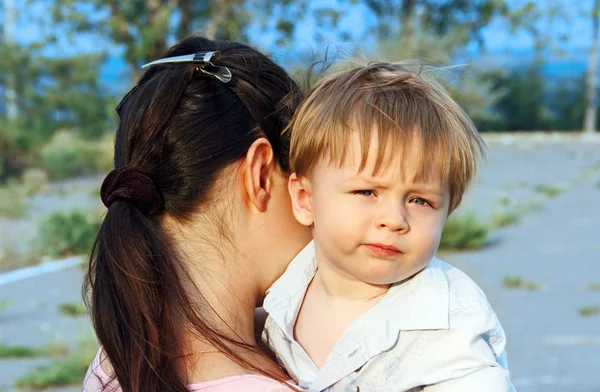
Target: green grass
19,351
529,206
593,287
72,309
515,282
588,171
519,185
505,218
512,213
34,180
14,256
13,200
588,311
64,372
68,233
95,192
548,190
463,232
504,202
68,154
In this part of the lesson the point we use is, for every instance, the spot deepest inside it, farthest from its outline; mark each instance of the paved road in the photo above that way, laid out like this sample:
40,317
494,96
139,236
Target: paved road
30,317
551,347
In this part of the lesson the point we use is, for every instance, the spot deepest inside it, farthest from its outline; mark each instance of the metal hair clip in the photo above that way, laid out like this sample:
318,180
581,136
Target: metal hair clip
203,59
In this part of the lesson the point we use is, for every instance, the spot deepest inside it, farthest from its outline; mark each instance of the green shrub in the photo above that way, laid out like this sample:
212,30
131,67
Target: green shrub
69,155
65,372
516,282
548,190
19,351
72,309
504,202
529,206
588,311
463,232
505,218
13,200
34,180
68,233
594,287
14,256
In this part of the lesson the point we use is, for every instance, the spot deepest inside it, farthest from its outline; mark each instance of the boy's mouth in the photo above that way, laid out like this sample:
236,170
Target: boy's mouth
383,250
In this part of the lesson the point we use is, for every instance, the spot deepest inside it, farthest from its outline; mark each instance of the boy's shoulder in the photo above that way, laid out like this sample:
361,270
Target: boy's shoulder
463,291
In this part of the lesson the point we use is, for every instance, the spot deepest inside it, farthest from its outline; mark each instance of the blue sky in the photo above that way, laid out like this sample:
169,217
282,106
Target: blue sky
496,35
500,44
572,21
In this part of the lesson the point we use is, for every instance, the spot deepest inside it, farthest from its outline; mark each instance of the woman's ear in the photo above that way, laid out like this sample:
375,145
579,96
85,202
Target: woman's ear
300,192
257,174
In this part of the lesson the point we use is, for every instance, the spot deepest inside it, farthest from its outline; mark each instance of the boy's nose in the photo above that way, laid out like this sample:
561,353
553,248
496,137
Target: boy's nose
394,219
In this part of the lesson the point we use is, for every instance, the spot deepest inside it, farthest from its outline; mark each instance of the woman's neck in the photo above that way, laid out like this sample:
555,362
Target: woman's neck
224,295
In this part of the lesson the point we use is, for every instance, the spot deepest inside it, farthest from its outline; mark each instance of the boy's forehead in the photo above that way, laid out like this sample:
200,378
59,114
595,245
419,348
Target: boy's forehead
392,170
375,157
378,162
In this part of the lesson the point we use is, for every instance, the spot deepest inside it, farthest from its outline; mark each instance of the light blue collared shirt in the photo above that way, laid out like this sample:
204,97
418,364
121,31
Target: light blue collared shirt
434,332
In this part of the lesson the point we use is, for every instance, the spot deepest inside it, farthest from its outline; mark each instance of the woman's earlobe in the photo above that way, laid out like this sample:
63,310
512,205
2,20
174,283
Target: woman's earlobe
300,193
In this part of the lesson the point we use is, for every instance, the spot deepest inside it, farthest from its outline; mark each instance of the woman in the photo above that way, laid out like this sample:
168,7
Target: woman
199,224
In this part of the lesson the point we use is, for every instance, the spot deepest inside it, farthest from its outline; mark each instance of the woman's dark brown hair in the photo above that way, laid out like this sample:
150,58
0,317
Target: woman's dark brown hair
180,128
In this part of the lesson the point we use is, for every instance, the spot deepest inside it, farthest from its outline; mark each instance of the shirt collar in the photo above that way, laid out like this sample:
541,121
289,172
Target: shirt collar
418,303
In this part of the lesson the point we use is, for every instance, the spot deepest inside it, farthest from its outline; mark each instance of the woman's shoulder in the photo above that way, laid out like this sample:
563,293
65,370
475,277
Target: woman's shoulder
246,383
97,380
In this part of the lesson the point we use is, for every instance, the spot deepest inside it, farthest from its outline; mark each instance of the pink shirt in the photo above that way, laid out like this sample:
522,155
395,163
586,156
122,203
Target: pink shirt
96,379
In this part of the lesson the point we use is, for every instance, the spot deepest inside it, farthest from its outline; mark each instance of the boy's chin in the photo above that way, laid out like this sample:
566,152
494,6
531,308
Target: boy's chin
381,278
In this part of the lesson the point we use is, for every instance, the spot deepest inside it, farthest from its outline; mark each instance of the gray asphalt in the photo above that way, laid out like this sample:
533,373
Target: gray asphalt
550,346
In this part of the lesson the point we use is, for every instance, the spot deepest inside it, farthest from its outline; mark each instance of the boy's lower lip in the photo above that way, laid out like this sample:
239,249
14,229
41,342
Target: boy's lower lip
381,251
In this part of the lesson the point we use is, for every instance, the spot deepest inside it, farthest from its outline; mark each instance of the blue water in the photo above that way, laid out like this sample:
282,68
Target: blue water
116,75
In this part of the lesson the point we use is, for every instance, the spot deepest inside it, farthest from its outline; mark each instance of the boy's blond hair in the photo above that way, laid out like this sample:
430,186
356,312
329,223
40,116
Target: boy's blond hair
397,103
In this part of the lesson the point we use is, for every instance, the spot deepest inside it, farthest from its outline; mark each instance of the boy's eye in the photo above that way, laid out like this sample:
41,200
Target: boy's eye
419,201
364,192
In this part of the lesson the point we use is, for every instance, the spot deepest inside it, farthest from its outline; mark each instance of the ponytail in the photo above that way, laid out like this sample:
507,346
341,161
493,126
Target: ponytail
129,263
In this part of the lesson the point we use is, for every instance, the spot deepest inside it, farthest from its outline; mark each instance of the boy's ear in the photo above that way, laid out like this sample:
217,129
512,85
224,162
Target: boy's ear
300,192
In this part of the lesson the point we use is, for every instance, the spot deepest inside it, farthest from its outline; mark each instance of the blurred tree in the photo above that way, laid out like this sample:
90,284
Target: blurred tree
567,102
591,104
146,28
439,31
441,17
50,93
523,106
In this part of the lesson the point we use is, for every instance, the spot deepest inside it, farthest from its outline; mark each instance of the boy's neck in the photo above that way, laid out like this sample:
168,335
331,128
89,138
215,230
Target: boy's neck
334,284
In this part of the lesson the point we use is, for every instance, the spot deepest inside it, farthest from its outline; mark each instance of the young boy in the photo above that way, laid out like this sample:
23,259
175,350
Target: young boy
381,156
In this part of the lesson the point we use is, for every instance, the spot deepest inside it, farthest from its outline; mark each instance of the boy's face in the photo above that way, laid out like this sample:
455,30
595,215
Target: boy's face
378,229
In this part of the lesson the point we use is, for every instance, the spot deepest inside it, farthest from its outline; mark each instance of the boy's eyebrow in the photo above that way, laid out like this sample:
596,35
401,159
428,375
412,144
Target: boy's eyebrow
359,177
436,191
439,191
